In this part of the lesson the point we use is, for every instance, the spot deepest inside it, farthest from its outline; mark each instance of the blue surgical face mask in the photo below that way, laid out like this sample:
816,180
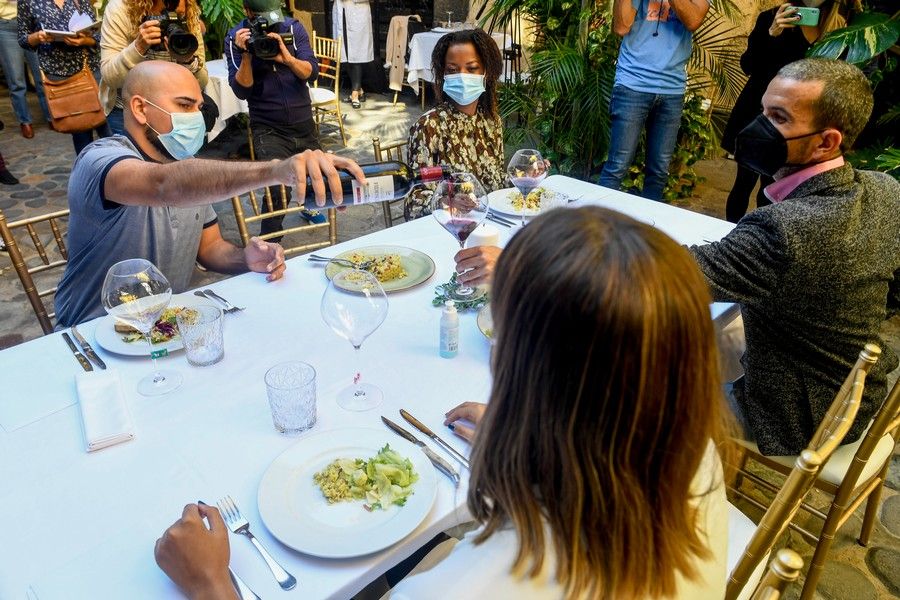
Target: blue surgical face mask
464,88
187,135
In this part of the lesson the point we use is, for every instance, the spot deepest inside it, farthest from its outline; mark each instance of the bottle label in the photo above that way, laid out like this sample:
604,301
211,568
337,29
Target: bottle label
428,174
449,343
379,188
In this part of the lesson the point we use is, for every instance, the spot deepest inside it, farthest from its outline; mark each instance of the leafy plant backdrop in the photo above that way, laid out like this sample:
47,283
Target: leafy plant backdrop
563,106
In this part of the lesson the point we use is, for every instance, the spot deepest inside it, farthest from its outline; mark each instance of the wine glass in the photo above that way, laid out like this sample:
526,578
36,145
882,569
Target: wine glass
136,294
526,171
354,305
460,204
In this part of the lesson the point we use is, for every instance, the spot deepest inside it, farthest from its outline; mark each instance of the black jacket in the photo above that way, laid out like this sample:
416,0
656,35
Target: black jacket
812,275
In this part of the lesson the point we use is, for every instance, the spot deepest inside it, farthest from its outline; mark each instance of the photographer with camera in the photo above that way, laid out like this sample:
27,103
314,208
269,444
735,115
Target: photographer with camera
270,61
137,30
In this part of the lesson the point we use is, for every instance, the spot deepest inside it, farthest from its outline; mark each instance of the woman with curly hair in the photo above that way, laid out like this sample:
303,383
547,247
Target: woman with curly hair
464,130
126,40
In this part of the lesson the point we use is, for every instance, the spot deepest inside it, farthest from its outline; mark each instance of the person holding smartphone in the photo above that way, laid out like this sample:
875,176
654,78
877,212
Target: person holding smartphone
776,40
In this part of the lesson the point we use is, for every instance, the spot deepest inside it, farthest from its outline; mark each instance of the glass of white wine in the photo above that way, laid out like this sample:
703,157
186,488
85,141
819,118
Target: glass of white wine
136,293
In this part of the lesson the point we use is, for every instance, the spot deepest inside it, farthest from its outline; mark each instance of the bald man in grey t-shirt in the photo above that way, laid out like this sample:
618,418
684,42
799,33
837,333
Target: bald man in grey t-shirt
130,197
103,232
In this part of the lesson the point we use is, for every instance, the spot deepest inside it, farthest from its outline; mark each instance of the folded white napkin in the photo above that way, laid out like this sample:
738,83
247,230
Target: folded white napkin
104,414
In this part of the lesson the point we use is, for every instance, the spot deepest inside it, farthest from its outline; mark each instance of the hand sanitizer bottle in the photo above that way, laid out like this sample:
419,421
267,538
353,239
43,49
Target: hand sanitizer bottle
449,330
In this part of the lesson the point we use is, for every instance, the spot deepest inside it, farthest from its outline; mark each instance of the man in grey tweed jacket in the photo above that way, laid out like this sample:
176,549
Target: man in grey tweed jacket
812,272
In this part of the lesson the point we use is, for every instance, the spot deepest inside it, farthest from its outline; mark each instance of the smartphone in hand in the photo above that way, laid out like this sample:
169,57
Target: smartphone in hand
809,16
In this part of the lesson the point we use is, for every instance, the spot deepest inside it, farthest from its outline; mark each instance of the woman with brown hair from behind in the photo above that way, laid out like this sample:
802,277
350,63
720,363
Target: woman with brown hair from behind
595,471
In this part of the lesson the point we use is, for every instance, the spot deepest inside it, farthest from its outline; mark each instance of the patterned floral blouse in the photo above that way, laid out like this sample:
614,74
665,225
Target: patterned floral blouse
447,136
57,58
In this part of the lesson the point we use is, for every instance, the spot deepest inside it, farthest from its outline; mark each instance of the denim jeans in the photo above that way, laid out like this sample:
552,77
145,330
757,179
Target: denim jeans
12,60
631,111
116,121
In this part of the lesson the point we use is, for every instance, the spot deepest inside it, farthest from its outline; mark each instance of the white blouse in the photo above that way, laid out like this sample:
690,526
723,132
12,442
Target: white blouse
483,571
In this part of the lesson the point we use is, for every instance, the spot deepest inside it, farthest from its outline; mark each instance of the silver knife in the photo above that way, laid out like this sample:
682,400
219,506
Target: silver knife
88,351
81,359
442,465
424,429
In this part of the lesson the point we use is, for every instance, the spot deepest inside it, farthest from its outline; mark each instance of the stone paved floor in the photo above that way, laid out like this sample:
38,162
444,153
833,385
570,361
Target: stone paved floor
43,163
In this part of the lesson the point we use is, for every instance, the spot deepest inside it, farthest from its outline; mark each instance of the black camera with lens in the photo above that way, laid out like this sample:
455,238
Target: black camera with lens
178,40
260,44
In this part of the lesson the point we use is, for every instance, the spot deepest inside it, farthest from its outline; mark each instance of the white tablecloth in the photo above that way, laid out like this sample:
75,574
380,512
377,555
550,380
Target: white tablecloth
80,525
421,45
218,89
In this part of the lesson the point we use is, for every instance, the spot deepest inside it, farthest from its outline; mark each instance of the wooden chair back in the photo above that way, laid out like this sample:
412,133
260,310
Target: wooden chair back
45,260
783,570
328,53
279,206
383,152
825,441
327,105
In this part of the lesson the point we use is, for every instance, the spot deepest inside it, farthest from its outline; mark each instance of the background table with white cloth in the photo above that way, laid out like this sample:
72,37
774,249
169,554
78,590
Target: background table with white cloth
421,45
218,89
80,525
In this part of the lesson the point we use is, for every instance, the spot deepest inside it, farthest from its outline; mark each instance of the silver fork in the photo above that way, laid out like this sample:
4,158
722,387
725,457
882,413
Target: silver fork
211,295
341,261
238,524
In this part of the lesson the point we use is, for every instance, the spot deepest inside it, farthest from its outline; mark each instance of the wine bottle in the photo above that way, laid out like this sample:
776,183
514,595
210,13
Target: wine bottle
385,181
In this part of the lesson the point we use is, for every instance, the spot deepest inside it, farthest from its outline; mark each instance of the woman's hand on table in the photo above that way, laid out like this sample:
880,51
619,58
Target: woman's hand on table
265,257
467,411
196,558
475,266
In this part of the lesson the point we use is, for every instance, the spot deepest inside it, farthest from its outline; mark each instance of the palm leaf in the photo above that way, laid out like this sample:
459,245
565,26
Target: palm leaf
716,61
868,35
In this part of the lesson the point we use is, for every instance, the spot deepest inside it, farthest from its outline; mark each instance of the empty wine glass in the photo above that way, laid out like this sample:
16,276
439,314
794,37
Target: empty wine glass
354,305
136,293
526,171
460,204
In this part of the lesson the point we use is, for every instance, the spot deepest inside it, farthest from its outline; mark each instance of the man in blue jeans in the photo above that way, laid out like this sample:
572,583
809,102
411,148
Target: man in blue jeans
12,61
649,85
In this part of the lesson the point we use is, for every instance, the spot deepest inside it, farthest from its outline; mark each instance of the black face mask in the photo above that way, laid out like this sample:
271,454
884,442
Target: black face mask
761,147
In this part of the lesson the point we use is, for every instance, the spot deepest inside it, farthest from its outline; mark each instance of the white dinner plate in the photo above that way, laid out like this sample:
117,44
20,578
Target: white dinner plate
501,202
293,508
418,266
110,340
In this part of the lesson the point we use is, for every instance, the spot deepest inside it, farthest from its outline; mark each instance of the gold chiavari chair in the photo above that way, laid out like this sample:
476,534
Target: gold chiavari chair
784,570
273,207
326,102
855,474
825,441
46,260
392,151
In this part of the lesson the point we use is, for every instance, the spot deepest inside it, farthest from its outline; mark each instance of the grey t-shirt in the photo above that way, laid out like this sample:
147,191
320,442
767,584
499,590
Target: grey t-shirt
102,233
